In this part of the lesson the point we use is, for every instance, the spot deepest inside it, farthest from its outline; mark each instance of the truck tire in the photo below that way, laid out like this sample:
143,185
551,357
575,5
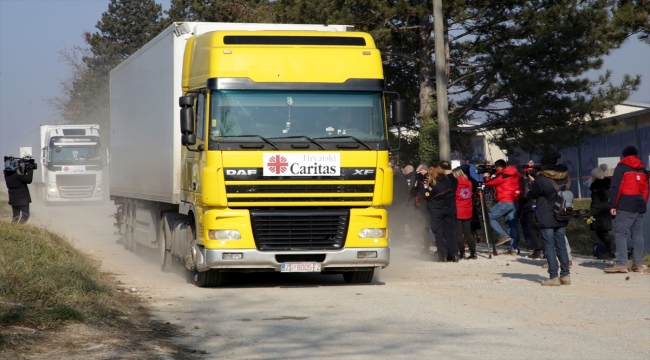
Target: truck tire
358,277
128,230
163,238
210,278
128,238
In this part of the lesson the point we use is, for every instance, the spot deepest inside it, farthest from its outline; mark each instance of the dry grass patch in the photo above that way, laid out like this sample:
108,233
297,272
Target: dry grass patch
56,304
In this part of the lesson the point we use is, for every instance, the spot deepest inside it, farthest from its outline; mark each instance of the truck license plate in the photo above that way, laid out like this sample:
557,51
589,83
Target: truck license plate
300,267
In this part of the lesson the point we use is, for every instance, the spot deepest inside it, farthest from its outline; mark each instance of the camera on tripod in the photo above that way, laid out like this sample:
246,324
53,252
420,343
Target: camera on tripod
480,187
20,165
532,170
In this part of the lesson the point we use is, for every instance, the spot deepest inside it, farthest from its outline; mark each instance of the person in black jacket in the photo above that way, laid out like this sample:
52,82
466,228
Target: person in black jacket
599,209
628,198
441,204
19,198
527,207
553,230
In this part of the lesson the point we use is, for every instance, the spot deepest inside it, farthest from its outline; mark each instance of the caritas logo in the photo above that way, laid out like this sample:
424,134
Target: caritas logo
302,164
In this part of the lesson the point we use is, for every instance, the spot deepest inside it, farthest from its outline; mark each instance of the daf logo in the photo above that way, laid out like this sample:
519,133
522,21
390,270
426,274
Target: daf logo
363,171
241,172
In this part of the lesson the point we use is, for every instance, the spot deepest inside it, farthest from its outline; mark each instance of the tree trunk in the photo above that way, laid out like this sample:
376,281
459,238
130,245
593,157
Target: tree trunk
425,76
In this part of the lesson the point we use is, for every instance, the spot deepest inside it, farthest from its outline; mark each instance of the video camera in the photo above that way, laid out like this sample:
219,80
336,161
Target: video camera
420,181
20,165
532,170
482,169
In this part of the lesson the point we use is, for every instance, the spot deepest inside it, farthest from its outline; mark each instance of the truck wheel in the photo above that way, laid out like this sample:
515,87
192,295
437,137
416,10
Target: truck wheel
128,231
128,238
358,277
121,212
210,278
163,239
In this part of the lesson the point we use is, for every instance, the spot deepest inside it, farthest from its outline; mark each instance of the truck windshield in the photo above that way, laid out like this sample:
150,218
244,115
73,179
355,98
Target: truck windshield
75,154
294,114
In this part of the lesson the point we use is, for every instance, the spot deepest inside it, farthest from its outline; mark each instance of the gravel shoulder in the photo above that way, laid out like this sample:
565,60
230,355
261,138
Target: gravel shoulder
413,309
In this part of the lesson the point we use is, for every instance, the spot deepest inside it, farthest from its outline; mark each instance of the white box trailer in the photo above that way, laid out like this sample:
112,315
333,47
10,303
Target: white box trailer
70,163
24,151
145,115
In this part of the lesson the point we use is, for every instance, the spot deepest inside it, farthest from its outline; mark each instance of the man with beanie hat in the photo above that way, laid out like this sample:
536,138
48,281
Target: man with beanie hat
628,196
544,189
599,172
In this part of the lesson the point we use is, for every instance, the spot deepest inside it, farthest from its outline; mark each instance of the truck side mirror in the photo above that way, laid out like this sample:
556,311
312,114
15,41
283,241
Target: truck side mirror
105,156
399,111
187,114
44,155
188,139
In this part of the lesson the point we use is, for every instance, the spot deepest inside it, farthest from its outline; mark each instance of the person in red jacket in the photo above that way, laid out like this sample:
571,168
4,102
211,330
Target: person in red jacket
506,182
628,198
464,208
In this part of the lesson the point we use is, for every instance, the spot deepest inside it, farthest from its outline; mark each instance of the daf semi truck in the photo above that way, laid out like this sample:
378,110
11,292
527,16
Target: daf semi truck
254,147
73,163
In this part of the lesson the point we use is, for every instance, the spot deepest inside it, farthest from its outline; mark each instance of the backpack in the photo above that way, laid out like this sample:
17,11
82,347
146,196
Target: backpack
563,203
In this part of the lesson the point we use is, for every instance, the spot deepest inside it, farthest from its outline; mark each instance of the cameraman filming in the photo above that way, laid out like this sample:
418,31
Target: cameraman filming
506,182
18,173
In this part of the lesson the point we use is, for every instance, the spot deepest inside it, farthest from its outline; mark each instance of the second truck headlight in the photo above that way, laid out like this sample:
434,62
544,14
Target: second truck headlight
51,189
372,233
224,235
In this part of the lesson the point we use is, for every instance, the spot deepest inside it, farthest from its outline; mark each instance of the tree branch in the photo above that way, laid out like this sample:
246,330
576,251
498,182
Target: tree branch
449,85
476,96
404,56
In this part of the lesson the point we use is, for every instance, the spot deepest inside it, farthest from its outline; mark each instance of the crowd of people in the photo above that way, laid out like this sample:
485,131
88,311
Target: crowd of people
537,200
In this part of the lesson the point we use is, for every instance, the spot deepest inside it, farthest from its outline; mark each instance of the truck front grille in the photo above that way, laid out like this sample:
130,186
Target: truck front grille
284,189
247,187
300,229
75,186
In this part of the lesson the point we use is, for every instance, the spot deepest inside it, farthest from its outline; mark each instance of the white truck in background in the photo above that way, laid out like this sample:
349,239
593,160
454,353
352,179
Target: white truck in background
72,162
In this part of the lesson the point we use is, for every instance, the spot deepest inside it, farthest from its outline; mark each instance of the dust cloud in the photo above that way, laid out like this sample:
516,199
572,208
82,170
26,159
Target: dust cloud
408,232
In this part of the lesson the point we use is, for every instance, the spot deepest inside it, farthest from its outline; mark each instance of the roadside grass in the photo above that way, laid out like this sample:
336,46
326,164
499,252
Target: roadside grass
581,238
5,209
45,283
55,303
581,204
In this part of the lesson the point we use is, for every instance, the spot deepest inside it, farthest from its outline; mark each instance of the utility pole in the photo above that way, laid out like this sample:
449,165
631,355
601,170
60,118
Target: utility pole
441,81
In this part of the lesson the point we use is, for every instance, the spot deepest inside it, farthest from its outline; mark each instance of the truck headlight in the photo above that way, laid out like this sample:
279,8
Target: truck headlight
98,189
372,233
51,189
224,235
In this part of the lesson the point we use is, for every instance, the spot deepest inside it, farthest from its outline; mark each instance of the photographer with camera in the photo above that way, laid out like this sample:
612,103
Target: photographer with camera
527,208
18,173
546,188
413,217
506,183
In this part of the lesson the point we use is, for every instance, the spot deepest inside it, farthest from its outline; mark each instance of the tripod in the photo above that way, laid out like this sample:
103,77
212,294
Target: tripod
481,196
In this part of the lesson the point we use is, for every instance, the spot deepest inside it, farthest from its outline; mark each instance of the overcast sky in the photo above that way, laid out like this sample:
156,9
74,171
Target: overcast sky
33,32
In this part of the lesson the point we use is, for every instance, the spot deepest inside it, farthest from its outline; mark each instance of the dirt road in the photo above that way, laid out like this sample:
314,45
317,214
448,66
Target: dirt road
414,309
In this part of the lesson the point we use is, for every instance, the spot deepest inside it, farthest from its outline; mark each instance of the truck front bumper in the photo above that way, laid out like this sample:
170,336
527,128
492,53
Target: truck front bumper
335,260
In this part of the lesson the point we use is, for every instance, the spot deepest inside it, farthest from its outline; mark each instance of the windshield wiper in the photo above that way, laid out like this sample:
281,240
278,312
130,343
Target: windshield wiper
346,137
261,137
301,137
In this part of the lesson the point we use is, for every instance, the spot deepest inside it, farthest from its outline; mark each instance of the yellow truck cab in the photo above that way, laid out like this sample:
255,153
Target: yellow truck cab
282,163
